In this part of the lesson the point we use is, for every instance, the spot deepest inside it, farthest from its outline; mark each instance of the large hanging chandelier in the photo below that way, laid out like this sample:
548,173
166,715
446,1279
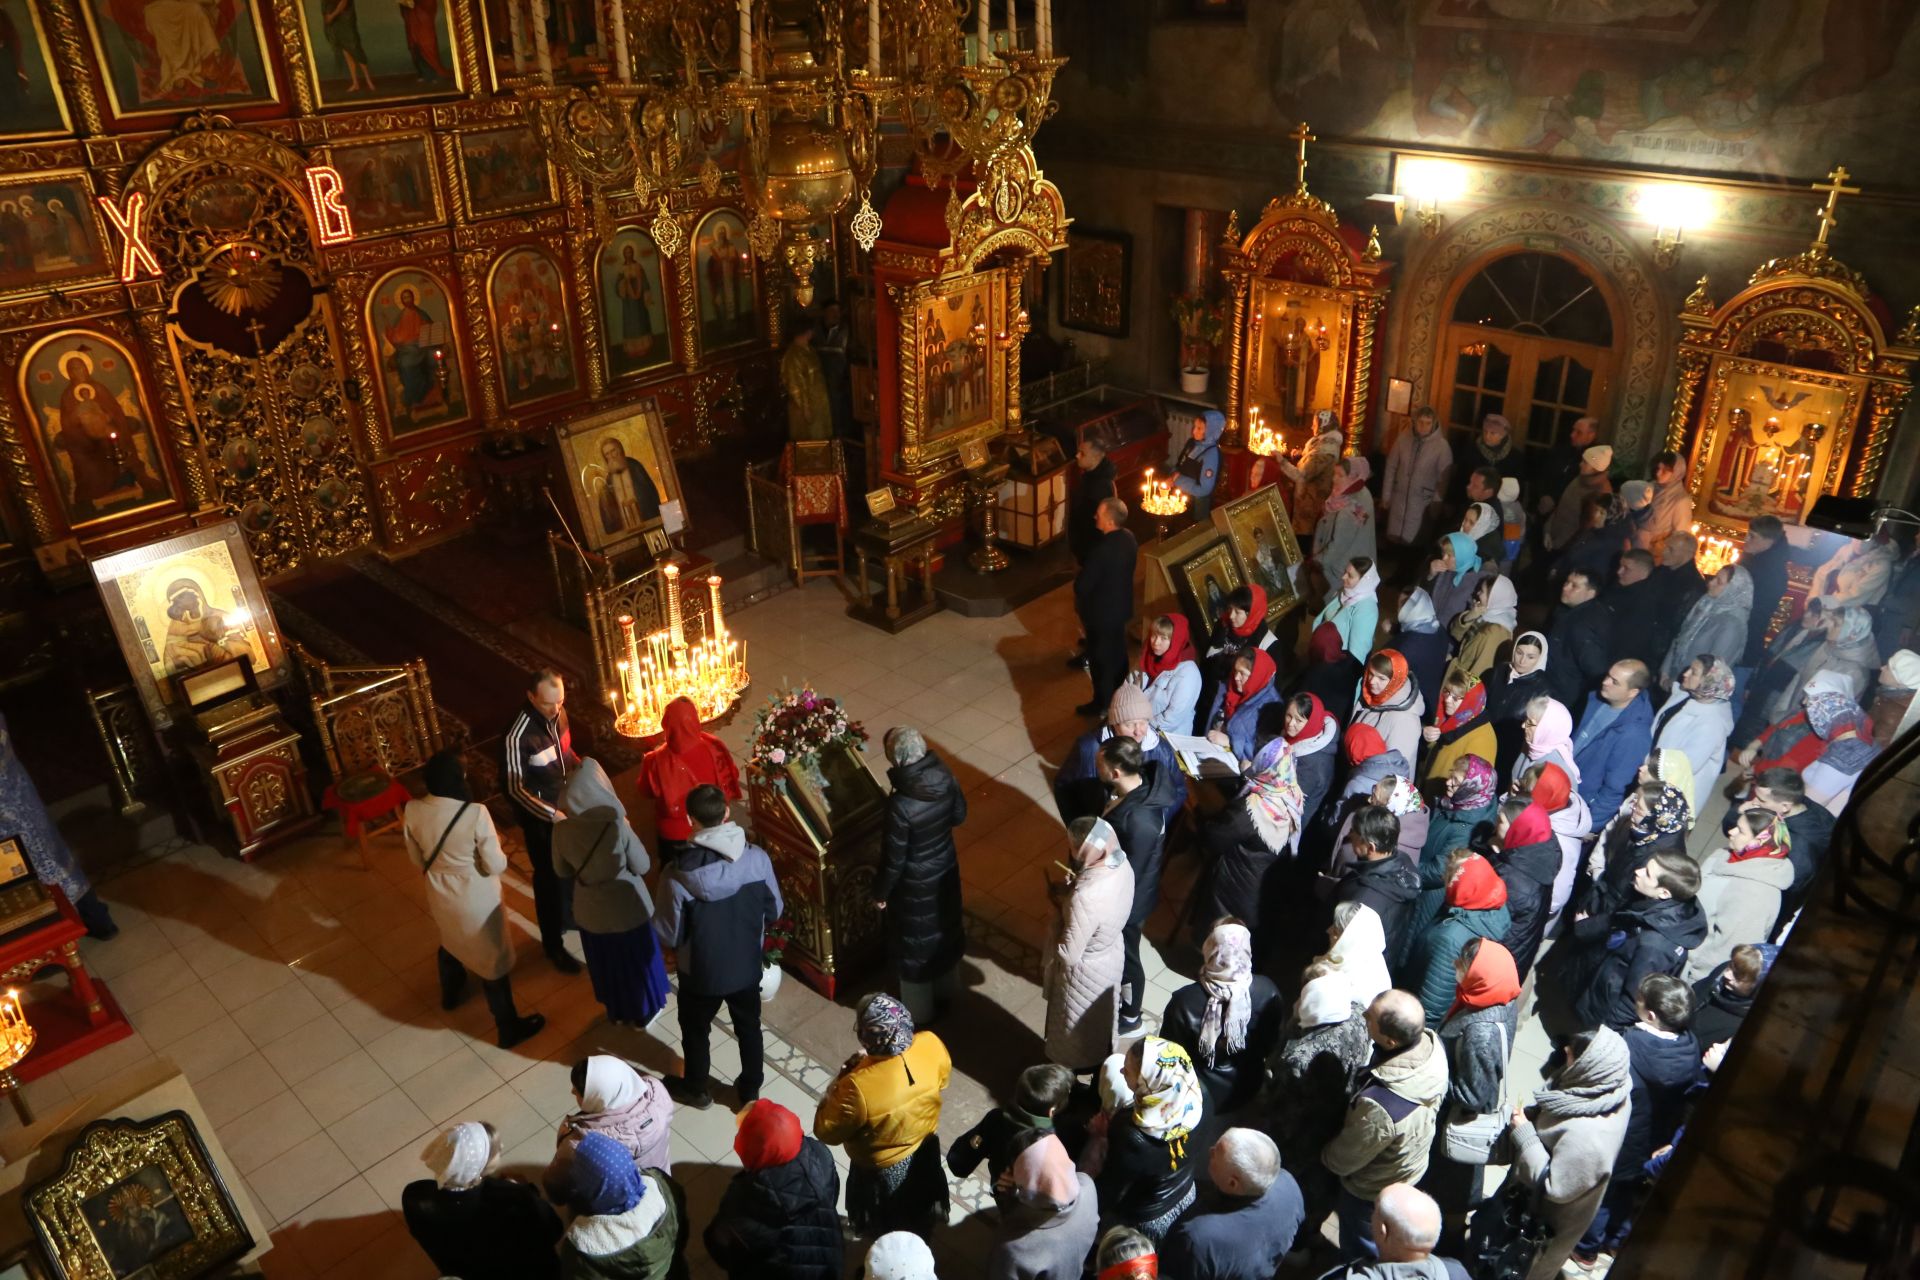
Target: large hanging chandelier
810,82
710,671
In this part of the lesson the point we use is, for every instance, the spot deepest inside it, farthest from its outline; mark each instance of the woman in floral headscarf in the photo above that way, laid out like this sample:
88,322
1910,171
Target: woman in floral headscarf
1698,715
1250,847
1146,1181
1228,1021
1461,727
1656,820
1397,794
1796,742
1314,735
884,1108
1716,624
1461,818
1847,731
1741,886
1344,529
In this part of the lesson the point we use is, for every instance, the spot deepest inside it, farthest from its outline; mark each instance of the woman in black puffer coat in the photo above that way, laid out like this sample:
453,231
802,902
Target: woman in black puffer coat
919,882
777,1219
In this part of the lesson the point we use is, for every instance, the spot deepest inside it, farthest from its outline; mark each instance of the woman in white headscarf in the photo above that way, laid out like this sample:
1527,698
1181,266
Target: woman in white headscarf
1485,626
1320,1064
1086,954
613,1099
1716,624
1896,699
1228,1021
1359,950
476,1226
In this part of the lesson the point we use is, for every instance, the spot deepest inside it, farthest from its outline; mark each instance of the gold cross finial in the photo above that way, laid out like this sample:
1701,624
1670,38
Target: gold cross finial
1835,187
1301,136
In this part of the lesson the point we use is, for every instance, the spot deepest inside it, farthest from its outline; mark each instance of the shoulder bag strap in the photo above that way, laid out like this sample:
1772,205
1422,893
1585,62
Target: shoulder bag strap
441,842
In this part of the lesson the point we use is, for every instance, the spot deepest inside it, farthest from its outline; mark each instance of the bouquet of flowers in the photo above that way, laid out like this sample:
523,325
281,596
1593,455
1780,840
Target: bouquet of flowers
794,728
774,950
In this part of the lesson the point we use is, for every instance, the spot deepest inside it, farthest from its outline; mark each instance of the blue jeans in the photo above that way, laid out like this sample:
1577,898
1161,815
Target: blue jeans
1613,1220
1355,1217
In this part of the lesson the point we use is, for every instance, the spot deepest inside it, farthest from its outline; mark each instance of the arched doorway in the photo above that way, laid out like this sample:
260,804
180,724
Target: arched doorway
1530,335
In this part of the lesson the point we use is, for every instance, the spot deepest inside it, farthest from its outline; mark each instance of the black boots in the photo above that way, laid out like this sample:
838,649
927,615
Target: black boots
453,980
512,1028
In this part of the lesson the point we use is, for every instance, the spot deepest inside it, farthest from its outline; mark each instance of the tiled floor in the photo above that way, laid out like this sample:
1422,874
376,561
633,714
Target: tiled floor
299,995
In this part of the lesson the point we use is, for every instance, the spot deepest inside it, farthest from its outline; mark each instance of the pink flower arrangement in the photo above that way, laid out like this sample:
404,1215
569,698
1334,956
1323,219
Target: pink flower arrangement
794,728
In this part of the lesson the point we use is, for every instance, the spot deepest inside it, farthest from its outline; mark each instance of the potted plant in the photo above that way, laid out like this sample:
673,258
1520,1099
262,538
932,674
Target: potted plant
773,951
1202,323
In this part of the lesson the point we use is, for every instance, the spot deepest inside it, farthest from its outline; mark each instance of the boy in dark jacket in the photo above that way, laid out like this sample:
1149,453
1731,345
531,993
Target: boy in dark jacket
1722,999
1666,1066
1651,933
1143,800
716,901
1381,878
777,1219
1077,789
1042,1091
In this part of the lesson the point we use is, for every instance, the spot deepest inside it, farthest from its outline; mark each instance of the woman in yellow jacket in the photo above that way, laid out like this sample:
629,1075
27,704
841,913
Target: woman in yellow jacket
884,1108
1462,727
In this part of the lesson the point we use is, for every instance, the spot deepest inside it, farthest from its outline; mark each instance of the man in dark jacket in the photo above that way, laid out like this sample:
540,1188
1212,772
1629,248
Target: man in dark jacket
918,888
777,1219
1245,1226
1653,933
1614,737
1665,1060
1380,878
1580,641
1077,789
538,747
1764,556
1103,598
1094,486
716,901
1143,798
1630,603
1042,1091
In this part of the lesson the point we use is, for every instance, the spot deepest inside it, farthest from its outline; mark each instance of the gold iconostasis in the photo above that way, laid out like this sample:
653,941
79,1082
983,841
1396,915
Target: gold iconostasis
191,338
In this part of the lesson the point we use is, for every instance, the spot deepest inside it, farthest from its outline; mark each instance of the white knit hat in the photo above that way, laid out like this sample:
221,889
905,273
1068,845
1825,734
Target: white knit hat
1599,457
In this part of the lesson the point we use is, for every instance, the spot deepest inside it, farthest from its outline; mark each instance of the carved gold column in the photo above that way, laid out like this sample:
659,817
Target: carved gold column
18,466
351,289
689,317
1366,315
486,369
1886,401
1691,370
469,46
300,68
150,318
1017,329
1240,281
582,250
71,59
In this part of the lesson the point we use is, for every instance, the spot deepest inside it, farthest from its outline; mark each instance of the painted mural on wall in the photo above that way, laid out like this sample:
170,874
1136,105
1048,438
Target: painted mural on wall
1784,87
168,56
528,306
49,233
391,183
1768,86
94,426
30,103
410,322
725,285
633,304
375,51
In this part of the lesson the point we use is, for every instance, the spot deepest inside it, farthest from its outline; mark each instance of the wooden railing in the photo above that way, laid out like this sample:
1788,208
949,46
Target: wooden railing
370,716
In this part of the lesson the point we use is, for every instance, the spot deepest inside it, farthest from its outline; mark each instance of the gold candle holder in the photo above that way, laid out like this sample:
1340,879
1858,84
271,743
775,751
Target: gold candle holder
17,1038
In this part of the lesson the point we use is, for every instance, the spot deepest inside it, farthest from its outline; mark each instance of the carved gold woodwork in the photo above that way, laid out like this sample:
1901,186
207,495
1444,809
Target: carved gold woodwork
1808,302
1297,258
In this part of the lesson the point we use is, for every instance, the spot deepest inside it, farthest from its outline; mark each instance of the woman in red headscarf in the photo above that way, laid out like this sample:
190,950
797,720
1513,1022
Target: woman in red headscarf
688,758
1528,861
1553,791
1477,1037
1170,674
1476,908
1235,720
1390,701
777,1217
1314,736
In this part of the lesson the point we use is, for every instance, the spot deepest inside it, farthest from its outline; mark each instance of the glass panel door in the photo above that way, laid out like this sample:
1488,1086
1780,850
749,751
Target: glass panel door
1567,386
1482,372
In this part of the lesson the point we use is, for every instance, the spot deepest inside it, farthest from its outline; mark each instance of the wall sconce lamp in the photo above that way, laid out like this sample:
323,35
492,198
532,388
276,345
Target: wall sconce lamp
1674,209
1425,185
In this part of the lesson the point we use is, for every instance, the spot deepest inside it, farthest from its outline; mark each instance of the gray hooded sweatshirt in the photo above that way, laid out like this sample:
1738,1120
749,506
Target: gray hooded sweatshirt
717,900
597,849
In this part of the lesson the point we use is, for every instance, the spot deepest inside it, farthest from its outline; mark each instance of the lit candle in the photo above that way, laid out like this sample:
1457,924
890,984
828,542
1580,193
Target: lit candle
746,41
622,62
542,48
873,37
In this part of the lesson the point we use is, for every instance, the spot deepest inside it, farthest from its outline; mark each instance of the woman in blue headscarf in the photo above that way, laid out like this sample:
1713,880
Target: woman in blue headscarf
629,1223
1456,576
1196,464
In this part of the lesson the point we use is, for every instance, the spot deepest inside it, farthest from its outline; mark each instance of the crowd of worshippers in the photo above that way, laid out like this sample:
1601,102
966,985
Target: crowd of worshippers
1464,809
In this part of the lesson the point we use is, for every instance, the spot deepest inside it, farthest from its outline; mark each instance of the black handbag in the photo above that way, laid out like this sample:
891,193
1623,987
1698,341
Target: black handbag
1507,1234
